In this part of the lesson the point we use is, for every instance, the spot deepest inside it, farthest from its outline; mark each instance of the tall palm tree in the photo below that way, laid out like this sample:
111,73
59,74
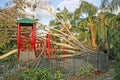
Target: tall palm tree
109,5
90,10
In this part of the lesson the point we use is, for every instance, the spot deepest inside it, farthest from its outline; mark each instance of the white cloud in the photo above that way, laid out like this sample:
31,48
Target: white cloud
38,12
117,11
71,5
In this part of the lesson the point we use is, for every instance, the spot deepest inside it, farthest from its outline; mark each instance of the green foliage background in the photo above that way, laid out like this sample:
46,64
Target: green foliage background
35,74
116,44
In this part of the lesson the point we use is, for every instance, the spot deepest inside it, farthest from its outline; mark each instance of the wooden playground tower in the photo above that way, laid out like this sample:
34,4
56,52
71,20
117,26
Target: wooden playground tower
28,46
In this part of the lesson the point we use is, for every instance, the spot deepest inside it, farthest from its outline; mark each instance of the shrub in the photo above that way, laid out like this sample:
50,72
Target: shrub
58,76
35,74
116,49
85,71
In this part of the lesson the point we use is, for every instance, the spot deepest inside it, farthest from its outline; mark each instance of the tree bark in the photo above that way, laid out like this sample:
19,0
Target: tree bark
92,33
8,54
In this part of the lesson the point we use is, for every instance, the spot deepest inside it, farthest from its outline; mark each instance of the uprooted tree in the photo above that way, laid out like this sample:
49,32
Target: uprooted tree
71,43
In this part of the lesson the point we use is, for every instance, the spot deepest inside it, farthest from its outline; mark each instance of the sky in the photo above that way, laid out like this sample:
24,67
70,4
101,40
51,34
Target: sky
45,16
71,5
2,3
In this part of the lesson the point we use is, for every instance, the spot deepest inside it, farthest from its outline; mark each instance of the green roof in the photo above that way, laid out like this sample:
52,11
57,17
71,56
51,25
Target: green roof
26,20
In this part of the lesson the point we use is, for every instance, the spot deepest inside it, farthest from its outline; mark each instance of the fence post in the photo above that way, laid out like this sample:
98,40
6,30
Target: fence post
73,65
4,74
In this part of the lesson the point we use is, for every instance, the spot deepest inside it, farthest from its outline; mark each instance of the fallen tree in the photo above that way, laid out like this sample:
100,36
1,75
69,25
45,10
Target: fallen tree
8,54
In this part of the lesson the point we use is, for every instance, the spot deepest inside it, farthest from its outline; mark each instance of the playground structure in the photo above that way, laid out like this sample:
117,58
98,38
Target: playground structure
28,45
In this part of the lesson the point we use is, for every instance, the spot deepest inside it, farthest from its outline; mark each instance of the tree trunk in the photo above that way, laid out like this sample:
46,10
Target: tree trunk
8,54
92,33
102,28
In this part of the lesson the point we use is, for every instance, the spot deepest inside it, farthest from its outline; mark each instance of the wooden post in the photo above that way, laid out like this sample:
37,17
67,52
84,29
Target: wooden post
48,42
18,41
64,52
33,36
47,45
